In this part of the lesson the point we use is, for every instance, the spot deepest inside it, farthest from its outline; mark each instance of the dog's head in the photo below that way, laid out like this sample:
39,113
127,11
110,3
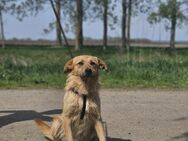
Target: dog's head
85,66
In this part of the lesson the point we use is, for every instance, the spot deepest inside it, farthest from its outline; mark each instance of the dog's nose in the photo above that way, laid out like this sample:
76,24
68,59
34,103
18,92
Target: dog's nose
88,72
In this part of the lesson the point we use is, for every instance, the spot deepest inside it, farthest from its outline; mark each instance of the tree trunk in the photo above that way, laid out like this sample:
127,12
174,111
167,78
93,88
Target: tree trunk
123,25
79,24
172,34
129,23
173,26
2,30
105,24
58,31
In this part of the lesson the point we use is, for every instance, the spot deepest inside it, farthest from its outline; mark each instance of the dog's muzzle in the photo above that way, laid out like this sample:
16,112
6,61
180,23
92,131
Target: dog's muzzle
88,73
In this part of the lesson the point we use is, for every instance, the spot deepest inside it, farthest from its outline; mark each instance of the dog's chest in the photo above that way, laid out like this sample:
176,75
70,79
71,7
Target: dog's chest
91,108
84,128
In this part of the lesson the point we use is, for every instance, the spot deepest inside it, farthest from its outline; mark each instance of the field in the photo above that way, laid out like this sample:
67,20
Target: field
42,67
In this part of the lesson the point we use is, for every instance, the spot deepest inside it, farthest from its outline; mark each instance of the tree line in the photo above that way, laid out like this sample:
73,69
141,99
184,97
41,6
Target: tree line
173,13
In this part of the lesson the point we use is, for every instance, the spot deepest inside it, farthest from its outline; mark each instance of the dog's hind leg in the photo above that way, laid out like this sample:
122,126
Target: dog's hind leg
54,132
57,129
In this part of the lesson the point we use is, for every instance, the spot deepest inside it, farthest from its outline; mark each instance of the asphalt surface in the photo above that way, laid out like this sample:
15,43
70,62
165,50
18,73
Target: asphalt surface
131,115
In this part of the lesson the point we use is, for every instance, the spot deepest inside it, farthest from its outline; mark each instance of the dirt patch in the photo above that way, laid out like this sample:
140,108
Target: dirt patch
131,115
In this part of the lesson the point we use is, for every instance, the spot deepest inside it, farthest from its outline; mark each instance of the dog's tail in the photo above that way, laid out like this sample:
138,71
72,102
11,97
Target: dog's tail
46,130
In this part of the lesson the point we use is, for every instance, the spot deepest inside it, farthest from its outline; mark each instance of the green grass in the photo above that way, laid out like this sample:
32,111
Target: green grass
42,67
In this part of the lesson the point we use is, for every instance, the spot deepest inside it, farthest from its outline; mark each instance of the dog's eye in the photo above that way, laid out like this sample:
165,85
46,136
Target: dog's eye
93,63
80,63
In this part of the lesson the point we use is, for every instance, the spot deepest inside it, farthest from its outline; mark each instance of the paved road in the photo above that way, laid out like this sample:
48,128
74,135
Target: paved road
132,115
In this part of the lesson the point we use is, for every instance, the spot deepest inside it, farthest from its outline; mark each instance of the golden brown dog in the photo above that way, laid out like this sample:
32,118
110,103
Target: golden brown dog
81,118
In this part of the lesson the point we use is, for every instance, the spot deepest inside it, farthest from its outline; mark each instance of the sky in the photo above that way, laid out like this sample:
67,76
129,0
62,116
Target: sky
32,27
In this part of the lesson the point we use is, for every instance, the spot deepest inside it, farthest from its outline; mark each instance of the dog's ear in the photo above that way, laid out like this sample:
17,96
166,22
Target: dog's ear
102,64
68,66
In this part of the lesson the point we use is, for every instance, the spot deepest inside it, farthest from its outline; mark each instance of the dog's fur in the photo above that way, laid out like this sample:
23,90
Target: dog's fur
68,126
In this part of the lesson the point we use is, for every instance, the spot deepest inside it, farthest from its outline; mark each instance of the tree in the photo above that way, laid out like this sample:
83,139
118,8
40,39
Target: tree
105,23
22,9
99,10
2,28
58,31
79,24
173,14
70,15
123,24
127,10
4,7
33,7
129,14
74,13
104,10
173,19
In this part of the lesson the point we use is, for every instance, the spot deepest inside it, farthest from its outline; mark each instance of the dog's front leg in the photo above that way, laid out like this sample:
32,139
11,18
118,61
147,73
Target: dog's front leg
67,129
100,131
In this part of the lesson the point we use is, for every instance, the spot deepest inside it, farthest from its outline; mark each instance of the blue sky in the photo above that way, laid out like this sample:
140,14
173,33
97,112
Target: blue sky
32,27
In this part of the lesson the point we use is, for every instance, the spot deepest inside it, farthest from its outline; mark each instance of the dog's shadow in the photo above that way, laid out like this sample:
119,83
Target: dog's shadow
117,139
13,116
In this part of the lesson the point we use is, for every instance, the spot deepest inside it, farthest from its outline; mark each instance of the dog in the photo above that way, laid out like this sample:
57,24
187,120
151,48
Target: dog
81,117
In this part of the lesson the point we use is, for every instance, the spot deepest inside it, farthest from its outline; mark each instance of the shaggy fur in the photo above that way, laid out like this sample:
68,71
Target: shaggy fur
83,72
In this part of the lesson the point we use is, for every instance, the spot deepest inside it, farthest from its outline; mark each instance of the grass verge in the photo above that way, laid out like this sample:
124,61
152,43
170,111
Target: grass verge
42,67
